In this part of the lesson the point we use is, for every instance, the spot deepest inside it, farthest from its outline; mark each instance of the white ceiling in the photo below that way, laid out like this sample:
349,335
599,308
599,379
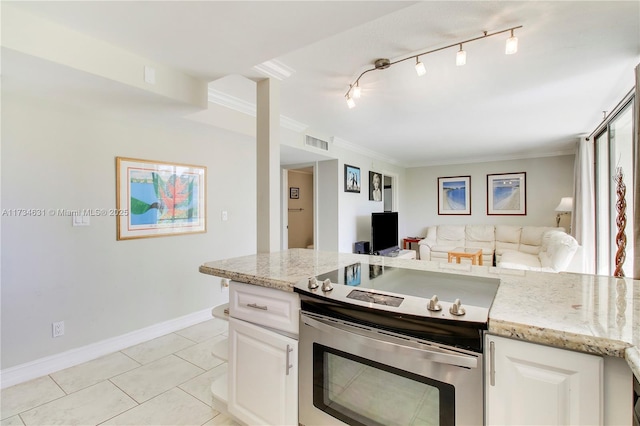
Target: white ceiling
575,60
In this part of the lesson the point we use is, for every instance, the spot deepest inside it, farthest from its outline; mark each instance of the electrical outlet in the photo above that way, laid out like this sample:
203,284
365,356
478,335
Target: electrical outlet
57,328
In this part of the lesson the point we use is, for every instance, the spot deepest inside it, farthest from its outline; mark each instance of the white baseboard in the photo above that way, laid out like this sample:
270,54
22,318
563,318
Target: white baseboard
43,366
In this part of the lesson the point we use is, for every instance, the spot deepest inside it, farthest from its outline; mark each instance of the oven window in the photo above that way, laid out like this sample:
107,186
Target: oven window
359,391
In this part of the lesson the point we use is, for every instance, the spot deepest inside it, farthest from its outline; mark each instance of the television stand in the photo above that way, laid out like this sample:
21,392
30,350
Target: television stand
402,254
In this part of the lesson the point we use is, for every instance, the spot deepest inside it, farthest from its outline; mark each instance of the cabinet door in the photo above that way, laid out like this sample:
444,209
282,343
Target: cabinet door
263,375
530,384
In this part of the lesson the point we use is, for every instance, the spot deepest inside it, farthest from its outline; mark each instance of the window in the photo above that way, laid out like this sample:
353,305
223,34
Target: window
614,149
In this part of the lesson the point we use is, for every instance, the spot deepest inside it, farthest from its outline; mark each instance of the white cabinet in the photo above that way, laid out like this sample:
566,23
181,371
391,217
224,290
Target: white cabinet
263,375
263,355
530,384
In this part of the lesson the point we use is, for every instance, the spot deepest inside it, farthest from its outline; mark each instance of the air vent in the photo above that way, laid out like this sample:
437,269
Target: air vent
316,143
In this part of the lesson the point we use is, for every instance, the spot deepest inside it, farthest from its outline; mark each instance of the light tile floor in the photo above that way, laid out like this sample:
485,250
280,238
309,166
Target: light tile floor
165,381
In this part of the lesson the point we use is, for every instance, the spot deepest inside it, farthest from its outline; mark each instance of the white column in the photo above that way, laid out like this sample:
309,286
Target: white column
268,165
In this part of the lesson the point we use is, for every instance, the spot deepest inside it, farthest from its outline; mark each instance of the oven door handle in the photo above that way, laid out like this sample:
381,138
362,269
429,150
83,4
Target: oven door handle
387,343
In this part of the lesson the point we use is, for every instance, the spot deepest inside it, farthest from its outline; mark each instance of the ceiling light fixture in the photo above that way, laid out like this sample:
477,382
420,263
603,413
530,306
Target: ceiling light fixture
420,69
350,102
461,59
357,91
512,45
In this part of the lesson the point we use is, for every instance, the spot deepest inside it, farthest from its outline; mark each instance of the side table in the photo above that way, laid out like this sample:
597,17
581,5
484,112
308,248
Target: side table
406,243
469,253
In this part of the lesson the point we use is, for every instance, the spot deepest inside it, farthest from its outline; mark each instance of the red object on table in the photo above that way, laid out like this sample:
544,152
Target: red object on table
409,240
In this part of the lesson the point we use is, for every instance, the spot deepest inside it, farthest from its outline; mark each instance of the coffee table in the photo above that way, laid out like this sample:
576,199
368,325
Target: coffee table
469,253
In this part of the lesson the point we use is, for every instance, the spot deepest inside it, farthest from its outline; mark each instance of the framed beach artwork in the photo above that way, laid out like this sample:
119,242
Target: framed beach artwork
454,195
352,180
507,194
161,199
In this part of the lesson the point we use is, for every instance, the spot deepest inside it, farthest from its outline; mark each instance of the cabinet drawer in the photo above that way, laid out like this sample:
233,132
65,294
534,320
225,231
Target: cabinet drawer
264,306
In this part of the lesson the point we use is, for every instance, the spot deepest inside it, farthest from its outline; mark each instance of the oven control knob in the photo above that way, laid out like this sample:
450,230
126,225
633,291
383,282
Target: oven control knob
326,285
433,304
457,309
313,283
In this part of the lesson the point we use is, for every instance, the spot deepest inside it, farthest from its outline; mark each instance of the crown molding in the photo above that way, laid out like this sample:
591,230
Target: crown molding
291,124
364,151
231,102
492,159
274,69
237,104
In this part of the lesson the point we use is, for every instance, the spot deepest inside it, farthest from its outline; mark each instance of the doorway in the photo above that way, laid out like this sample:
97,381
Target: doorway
300,208
388,193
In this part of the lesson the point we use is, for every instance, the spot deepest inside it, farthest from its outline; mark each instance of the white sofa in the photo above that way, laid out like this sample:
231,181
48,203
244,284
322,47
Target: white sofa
539,248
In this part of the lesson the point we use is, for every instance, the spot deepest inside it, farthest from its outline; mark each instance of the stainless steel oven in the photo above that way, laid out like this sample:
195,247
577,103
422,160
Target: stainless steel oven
368,356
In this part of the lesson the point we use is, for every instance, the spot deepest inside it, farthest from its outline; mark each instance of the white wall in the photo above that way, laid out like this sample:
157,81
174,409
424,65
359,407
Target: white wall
63,157
548,179
354,209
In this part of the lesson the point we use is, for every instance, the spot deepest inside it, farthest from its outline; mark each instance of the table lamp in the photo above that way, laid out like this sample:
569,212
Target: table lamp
565,207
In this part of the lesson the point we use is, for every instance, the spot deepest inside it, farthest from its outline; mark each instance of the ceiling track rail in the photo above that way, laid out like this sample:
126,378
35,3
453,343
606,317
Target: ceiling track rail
607,117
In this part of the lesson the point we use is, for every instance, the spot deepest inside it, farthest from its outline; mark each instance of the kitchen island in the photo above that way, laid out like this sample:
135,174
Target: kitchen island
593,314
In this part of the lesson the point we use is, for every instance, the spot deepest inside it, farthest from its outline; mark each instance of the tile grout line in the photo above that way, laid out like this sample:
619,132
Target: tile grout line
44,403
137,362
222,334
123,391
58,385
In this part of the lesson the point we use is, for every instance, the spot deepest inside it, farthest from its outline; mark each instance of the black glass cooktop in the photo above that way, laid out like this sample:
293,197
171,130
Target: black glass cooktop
477,291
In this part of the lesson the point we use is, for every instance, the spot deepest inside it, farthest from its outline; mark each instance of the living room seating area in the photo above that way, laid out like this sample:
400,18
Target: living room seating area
538,248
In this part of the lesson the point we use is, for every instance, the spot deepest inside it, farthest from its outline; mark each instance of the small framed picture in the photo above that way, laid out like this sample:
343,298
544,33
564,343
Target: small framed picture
454,195
375,186
507,194
351,179
294,192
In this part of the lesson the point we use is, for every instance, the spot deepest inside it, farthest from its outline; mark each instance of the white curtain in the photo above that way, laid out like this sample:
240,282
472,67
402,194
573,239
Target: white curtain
583,221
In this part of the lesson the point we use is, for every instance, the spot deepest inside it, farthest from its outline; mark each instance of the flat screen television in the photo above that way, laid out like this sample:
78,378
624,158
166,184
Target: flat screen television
384,233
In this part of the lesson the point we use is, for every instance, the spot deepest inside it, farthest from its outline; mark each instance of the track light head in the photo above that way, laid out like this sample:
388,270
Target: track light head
461,57
420,69
350,102
357,91
512,45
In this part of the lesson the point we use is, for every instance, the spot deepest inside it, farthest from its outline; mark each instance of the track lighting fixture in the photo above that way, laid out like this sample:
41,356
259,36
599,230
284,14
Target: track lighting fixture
461,59
420,69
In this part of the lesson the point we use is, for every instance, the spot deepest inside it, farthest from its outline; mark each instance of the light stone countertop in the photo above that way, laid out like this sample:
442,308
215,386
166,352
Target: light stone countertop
594,314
